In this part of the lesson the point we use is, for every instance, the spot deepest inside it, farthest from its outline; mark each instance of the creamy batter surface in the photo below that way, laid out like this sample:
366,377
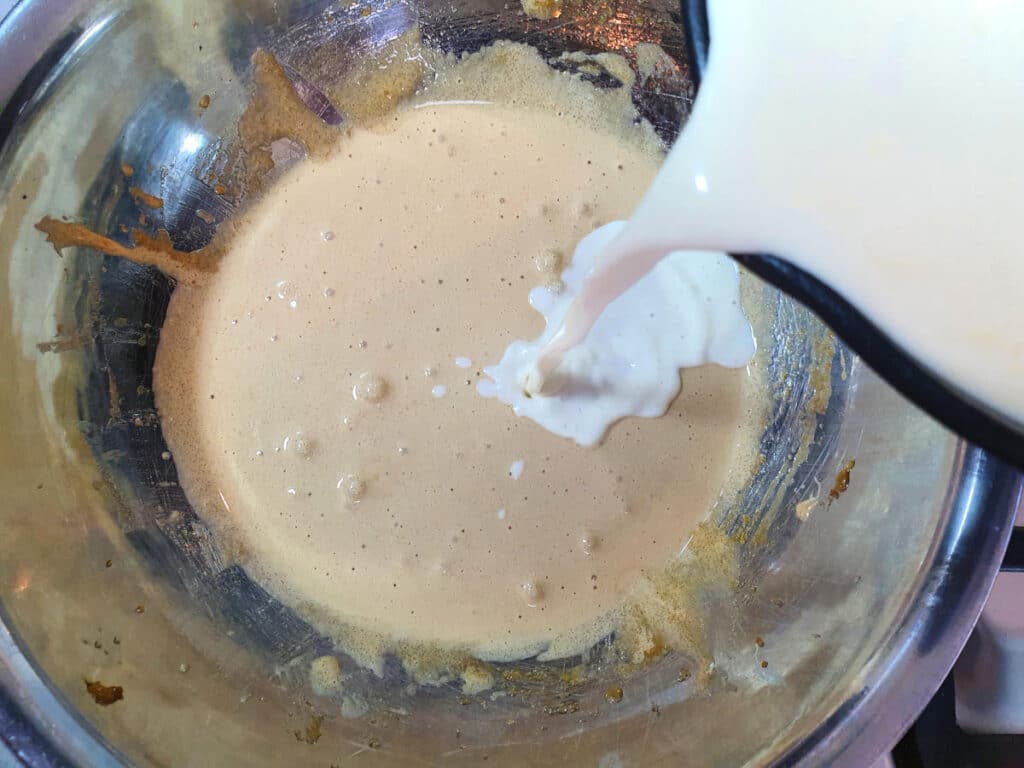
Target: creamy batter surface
319,391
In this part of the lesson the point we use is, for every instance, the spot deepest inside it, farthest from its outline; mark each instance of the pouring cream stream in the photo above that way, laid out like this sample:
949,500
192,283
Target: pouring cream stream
877,145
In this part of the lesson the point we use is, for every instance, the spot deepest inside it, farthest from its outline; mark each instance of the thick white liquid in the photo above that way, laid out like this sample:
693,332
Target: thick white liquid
684,313
875,144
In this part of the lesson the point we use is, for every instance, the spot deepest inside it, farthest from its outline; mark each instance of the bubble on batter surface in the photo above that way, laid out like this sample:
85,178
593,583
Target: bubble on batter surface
370,387
352,487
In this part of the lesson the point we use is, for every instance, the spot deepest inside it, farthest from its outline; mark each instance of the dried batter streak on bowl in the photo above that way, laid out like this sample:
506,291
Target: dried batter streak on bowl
144,198
311,733
149,250
842,481
277,112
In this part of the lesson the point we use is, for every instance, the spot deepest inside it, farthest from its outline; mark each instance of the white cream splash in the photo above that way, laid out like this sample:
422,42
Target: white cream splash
685,312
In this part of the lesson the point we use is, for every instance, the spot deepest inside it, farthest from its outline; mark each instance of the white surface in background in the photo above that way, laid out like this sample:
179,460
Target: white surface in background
989,675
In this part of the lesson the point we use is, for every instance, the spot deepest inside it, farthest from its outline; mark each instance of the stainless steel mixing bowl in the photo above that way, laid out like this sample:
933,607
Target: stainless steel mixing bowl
837,627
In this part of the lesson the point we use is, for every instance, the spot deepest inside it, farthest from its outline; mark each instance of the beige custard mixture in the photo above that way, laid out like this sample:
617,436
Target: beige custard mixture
318,391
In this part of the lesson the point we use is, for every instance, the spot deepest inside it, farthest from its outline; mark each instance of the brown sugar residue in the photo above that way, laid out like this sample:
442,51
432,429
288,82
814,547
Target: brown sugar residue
149,250
656,649
613,695
144,198
204,101
562,705
276,112
542,9
820,377
842,480
104,695
311,733
574,676
668,609
127,170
